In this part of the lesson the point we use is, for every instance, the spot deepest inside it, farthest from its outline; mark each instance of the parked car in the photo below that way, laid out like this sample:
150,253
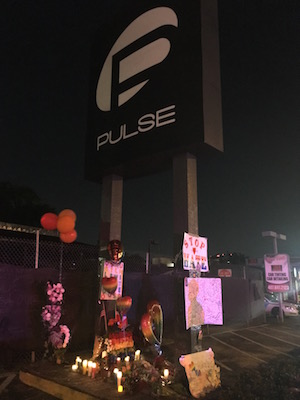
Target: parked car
271,303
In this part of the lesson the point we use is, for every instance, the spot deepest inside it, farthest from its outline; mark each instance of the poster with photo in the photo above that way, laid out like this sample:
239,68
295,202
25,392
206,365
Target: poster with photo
112,270
203,301
194,253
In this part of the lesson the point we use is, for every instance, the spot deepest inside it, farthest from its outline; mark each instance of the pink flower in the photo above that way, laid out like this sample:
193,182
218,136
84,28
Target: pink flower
51,314
66,332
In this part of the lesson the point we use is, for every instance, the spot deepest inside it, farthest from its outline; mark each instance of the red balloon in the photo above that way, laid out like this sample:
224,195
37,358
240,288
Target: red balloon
68,237
49,221
115,250
65,224
69,213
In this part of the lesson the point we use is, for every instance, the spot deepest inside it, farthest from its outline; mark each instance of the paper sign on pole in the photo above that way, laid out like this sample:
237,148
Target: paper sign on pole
203,301
194,252
112,269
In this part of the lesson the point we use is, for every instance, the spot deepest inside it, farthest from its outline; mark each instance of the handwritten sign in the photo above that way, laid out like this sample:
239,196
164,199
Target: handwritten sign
194,251
201,371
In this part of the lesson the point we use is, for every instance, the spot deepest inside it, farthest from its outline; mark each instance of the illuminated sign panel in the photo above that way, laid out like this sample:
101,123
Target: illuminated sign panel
277,270
146,94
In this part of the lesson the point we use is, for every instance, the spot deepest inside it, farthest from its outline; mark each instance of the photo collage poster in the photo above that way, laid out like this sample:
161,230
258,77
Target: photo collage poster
203,301
116,270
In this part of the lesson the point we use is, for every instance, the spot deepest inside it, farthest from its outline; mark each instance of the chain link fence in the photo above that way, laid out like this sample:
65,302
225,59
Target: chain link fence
36,250
30,247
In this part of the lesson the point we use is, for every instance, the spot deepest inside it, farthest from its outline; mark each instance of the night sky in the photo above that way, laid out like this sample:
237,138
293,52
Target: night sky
253,187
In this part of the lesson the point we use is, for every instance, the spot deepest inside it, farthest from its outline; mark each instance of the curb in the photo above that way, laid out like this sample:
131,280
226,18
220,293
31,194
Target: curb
54,389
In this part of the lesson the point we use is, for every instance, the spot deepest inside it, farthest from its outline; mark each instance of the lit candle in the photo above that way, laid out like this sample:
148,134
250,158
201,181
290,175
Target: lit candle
119,377
127,359
120,389
94,366
74,367
116,370
84,366
78,361
118,360
166,373
90,366
104,354
137,355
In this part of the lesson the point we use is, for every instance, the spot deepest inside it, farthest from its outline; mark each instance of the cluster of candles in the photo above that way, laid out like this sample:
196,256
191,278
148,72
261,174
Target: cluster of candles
87,367
90,368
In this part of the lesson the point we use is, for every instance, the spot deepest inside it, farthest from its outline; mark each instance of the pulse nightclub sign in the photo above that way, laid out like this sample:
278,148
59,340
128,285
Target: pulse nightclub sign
146,95
277,269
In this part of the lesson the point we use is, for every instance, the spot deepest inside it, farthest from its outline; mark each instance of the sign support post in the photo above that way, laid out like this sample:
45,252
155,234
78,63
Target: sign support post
185,209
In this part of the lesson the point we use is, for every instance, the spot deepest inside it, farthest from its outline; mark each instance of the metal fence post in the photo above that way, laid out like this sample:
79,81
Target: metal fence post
60,261
37,248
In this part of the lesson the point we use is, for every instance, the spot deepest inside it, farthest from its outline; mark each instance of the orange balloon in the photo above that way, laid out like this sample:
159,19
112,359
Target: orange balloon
69,213
68,237
65,224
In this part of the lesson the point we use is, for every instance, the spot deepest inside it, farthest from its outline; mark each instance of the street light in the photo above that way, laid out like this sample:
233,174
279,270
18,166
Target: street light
276,236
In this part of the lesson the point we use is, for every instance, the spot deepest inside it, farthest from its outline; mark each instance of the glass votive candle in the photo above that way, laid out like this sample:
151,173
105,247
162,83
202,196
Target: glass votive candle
137,355
90,367
119,378
120,389
84,366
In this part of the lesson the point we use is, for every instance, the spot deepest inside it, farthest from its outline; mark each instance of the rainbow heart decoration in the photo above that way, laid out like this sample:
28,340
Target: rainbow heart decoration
123,304
152,324
110,284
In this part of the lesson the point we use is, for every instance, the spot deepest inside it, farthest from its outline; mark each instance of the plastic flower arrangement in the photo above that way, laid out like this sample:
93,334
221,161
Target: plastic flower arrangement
58,336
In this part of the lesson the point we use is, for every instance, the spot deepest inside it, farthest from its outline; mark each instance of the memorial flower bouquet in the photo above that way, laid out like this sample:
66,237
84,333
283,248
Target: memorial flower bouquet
57,336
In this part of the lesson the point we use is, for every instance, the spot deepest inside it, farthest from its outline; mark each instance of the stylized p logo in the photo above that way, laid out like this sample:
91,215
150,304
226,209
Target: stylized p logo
130,56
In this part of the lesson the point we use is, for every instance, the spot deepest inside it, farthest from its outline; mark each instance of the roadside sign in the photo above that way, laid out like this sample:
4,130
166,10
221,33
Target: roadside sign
225,273
278,288
277,270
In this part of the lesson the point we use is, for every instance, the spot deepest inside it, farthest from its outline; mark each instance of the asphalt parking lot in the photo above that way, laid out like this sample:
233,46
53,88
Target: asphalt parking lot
244,347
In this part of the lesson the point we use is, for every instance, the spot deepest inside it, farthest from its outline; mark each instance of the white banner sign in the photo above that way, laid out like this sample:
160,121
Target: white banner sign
277,269
194,252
